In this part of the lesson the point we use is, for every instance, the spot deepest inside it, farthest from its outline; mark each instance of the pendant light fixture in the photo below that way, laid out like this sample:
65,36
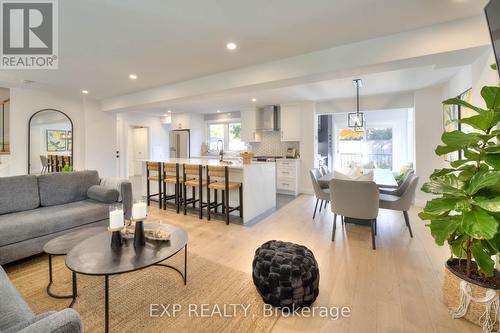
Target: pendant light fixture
356,119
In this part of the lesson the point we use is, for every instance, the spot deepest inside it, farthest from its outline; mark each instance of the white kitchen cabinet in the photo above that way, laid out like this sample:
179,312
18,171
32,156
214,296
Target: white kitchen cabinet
290,122
249,125
287,176
181,121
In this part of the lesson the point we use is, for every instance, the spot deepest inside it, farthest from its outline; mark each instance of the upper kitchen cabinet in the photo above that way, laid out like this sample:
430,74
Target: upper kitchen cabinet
290,122
249,125
181,121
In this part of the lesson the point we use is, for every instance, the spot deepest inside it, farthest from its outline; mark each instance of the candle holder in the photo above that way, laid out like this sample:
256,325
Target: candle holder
139,238
116,238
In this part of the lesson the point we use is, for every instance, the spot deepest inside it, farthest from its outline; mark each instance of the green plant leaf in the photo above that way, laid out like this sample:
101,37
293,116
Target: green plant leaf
479,224
493,160
491,96
493,149
458,163
482,179
443,150
458,101
491,205
441,229
493,67
471,155
459,138
482,259
457,246
439,206
441,172
495,243
483,121
447,184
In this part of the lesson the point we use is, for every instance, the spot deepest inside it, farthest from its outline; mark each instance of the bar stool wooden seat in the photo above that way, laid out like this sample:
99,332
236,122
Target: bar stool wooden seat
153,174
189,172
171,176
225,186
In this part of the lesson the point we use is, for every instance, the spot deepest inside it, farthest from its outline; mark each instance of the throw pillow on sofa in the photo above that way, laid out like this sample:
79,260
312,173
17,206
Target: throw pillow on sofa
102,194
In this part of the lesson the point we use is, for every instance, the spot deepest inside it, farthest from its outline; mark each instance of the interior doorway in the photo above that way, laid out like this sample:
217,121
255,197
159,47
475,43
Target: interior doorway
138,149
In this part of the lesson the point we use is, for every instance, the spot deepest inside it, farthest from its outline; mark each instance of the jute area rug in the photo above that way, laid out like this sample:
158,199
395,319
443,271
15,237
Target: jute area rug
135,296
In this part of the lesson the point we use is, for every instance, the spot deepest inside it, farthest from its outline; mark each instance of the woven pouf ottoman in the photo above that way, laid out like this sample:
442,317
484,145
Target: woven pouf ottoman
286,274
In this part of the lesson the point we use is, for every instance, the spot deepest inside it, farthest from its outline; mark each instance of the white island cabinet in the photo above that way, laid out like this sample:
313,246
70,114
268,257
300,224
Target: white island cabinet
258,179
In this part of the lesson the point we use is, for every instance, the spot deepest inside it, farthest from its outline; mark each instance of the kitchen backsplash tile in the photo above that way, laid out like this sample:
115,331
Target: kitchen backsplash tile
271,145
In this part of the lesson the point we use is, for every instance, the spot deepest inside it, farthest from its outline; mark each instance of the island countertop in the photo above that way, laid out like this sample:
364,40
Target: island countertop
258,183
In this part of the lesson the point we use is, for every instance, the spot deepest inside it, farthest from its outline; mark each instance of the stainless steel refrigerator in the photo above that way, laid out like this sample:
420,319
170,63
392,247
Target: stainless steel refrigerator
179,144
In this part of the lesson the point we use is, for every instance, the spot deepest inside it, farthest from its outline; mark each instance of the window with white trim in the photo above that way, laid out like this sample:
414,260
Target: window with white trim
227,133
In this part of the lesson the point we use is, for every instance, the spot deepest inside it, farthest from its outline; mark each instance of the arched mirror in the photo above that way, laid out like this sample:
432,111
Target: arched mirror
50,142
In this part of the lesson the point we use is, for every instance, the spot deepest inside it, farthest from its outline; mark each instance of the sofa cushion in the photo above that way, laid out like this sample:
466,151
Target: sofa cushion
13,309
62,188
102,194
20,226
18,193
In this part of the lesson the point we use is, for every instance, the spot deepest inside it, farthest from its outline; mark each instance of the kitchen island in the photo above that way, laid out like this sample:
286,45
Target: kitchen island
258,179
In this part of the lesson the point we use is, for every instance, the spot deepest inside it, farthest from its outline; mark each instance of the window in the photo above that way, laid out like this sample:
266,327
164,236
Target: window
372,144
227,133
215,134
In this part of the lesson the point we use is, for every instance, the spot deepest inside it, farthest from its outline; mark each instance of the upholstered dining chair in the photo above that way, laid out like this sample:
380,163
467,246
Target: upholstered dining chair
403,202
355,199
402,187
322,194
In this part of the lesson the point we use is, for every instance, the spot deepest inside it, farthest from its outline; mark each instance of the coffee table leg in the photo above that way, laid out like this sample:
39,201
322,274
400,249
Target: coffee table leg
106,304
49,292
75,290
185,263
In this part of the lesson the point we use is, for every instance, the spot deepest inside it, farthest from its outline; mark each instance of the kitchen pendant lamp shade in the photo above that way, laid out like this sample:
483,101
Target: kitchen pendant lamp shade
356,119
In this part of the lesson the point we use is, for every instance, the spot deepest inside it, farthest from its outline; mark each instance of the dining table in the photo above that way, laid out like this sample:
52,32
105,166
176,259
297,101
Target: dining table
384,178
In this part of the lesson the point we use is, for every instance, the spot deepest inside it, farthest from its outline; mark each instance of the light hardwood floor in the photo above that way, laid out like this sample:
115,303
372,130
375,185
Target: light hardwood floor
396,288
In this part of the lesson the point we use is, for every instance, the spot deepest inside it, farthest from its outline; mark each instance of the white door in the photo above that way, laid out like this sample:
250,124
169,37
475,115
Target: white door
140,149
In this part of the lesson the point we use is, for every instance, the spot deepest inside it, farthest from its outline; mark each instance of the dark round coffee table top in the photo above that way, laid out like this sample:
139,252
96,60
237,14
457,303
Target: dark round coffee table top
94,256
61,245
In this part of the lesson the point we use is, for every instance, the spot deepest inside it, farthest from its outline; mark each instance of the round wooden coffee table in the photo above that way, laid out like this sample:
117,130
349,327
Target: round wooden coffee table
60,246
94,256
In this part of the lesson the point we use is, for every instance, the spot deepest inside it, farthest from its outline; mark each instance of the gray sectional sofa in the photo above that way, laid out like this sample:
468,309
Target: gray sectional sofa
16,316
35,209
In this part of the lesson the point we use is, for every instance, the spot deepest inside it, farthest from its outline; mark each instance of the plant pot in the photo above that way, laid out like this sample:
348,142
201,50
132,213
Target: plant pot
452,295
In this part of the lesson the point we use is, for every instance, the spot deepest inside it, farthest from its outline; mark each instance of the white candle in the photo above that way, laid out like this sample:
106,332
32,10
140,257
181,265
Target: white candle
116,219
139,211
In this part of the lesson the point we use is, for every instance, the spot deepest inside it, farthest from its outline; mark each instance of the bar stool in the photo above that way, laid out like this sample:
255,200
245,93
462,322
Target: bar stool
153,167
168,178
193,170
225,186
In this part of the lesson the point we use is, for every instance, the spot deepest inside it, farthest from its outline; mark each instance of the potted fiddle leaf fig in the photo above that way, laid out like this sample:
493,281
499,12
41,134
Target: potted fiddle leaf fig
465,212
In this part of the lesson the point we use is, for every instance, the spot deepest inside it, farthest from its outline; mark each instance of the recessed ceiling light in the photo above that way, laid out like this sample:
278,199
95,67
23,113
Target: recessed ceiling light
132,76
254,99
85,92
231,46
169,111
218,111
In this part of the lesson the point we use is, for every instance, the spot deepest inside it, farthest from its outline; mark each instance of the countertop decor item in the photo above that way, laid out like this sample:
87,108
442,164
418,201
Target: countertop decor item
247,157
465,212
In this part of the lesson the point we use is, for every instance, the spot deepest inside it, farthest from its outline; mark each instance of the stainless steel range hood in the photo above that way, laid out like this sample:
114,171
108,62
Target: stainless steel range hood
268,118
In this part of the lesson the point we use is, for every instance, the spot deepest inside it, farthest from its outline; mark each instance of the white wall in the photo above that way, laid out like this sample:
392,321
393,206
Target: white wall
24,103
367,103
158,137
100,139
428,130
308,145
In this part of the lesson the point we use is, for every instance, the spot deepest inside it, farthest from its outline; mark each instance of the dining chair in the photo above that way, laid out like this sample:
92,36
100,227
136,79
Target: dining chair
322,194
355,199
401,187
45,164
323,170
403,202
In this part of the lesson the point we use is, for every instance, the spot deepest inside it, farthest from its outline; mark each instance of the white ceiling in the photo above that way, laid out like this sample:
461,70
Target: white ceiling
397,77
166,41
